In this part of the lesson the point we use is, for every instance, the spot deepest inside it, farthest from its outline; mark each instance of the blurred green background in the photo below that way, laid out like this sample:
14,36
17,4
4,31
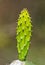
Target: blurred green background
9,11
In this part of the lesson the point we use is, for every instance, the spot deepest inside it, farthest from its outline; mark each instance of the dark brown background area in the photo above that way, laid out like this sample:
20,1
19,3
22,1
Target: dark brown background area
9,11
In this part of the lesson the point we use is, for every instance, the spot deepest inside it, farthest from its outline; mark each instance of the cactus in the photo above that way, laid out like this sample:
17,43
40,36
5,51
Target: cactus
23,31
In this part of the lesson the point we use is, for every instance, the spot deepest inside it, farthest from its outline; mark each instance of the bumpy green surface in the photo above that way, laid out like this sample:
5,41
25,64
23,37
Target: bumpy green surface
23,33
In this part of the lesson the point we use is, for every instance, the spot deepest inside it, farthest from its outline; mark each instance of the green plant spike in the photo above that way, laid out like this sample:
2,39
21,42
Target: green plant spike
23,31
